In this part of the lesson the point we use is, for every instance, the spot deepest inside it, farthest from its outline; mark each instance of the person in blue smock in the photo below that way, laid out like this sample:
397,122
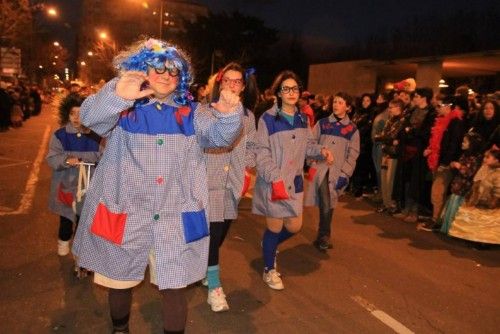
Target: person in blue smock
69,146
282,142
147,202
228,177
328,181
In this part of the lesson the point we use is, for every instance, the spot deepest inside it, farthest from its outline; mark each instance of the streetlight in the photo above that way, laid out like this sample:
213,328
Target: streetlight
103,35
90,53
56,43
52,11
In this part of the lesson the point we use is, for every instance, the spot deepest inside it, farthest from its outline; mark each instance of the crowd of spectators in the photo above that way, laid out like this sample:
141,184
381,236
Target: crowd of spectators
17,104
20,101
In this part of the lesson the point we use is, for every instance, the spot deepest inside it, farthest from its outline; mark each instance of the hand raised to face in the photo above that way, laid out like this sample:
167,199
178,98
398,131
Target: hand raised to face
128,86
227,101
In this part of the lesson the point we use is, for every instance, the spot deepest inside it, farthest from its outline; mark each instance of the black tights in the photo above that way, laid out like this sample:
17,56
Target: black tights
218,232
66,228
174,309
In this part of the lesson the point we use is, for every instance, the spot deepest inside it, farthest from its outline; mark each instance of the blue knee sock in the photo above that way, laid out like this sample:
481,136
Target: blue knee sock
284,235
269,245
213,278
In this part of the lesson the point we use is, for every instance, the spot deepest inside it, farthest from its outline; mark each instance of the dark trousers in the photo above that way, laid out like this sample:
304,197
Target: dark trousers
325,211
218,232
66,228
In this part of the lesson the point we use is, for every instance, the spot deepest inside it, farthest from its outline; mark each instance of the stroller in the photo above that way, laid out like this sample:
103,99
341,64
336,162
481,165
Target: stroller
84,171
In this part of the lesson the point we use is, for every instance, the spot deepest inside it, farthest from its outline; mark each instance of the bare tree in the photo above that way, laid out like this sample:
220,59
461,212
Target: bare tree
15,22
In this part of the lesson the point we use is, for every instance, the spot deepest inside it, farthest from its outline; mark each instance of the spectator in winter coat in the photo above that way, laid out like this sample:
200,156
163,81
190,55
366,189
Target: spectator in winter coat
390,138
465,169
444,147
363,176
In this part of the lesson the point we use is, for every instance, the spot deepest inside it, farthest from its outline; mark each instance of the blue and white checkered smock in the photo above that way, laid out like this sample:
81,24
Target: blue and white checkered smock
281,149
226,171
149,191
342,139
68,141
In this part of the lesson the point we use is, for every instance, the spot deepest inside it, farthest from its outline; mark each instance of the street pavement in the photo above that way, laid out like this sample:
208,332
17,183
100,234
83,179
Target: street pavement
382,276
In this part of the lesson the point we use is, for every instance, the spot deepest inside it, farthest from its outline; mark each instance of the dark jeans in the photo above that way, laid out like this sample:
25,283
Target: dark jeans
218,232
66,228
325,211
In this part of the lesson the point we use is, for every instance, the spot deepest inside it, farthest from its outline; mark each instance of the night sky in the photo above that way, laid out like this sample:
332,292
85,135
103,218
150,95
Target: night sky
321,24
340,22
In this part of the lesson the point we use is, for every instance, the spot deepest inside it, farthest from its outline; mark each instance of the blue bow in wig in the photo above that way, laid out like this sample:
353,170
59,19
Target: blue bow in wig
248,72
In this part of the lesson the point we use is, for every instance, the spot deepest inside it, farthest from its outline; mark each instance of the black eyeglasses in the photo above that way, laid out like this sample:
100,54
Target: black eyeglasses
172,70
229,82
287,90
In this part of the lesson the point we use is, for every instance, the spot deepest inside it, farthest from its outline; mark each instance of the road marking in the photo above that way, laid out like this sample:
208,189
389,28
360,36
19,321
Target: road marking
382,316
14,162
29,191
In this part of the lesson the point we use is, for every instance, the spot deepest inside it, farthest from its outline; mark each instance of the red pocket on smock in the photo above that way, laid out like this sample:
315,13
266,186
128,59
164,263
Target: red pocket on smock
109,225
65,198
279,191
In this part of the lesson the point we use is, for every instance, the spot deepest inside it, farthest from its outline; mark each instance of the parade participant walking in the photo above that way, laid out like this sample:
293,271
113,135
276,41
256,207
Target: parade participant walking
282,142
148,198
228,178
339,135
69,146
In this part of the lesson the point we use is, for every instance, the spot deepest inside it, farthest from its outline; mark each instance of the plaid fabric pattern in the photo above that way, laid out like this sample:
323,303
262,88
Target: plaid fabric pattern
153,178
64,177
226,172
280,156
345,149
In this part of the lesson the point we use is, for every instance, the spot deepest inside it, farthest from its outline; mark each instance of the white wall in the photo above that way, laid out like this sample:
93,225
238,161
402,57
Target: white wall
352,77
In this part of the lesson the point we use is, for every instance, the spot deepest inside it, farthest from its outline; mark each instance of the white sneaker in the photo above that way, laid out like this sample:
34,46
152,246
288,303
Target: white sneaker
204,282
273,279
217,300
62,248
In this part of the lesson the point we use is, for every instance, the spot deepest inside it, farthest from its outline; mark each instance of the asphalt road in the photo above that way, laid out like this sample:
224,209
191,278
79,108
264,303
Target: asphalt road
382,276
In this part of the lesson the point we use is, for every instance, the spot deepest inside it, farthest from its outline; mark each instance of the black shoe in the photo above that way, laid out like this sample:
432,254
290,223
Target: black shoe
430,226
323,244
394,210
436,227
427,226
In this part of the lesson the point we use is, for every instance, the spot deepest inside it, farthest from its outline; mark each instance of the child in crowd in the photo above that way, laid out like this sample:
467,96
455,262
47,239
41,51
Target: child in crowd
228,179
479,218
69,145
465,169
282,142
329,179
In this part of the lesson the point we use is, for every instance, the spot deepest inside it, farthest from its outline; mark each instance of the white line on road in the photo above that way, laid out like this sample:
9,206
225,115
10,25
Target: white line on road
29,190
382,316
15,164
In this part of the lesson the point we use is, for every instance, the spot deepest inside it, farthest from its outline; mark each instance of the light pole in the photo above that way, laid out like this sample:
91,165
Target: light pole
161,18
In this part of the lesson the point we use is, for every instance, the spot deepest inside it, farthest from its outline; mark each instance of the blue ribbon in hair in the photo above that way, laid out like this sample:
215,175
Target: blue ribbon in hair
248,72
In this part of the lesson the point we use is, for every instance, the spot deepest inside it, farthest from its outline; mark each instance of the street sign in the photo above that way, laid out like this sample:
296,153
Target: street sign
10,61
